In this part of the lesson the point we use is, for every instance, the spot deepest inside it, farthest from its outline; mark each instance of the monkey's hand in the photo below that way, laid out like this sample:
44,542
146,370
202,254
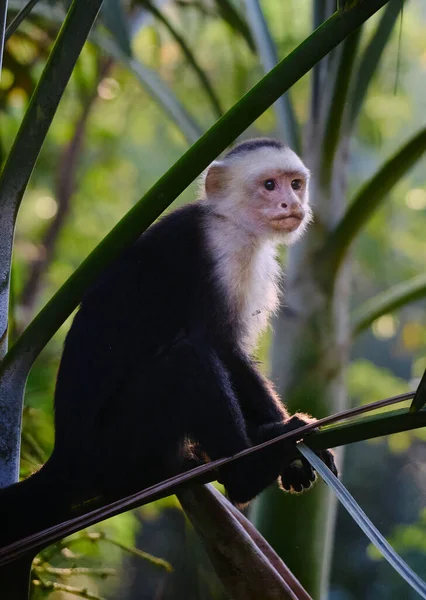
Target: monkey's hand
298,475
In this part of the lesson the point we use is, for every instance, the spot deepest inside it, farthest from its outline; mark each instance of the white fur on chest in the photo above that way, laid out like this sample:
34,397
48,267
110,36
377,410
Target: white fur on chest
249,274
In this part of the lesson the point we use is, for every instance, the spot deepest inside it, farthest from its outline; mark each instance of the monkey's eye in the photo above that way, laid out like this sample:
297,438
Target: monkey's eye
296,184
269,185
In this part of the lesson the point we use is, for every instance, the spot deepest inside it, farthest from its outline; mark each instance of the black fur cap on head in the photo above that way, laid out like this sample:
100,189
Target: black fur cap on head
254,144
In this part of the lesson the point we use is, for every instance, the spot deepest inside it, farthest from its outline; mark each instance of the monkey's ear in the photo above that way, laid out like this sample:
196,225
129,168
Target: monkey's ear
215,180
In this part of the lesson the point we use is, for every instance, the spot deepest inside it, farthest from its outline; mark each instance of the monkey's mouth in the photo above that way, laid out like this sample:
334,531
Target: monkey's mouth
288,223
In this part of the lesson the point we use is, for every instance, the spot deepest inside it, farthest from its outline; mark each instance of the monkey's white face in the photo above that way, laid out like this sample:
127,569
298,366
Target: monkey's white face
264,191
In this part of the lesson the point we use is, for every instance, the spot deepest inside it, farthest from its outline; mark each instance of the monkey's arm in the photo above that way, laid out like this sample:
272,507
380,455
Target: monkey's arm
267,418
261,405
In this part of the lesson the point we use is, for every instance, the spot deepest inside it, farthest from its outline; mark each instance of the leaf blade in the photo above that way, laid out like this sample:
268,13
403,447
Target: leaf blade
395,297
338,101
368,199
115,20
192,60
286,118
155,86
3,13
229,13
419,399
361,519
371,58
25,11
366,429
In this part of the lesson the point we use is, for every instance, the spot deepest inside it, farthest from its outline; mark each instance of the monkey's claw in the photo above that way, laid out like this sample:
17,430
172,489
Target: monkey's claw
298,475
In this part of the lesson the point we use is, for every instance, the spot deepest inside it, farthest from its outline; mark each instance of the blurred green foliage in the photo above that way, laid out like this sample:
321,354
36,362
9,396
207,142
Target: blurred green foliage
128,143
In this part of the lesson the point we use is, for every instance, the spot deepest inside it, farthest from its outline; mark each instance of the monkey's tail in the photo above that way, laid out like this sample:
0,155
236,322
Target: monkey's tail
25,508
31,505
15,579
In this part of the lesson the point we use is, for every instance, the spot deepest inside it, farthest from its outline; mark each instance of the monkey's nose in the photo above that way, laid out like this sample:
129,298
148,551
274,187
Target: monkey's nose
291,208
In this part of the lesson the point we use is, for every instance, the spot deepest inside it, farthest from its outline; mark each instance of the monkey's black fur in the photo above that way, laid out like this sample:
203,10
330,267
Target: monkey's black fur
254,144
152,360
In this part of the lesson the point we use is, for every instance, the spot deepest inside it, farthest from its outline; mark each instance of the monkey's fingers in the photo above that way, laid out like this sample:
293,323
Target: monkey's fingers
327,456
297,475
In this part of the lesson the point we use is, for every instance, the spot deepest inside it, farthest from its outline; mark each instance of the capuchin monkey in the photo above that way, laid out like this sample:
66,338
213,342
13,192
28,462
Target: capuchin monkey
157,371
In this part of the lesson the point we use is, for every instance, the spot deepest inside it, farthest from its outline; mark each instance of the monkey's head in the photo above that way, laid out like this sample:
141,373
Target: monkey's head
261,185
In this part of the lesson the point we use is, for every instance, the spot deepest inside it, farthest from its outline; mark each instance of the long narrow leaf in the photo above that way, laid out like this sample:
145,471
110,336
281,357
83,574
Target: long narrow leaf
367,428
395,297
319,15
190,57
371,57
287,123
198,474
364,522
19,18
53,13
192,163
13,182
231,549
157,89
3,13
338,101
419,399
115,19
368,199
229,13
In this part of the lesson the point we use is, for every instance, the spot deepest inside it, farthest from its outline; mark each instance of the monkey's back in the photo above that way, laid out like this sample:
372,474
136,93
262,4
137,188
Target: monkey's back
112,396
